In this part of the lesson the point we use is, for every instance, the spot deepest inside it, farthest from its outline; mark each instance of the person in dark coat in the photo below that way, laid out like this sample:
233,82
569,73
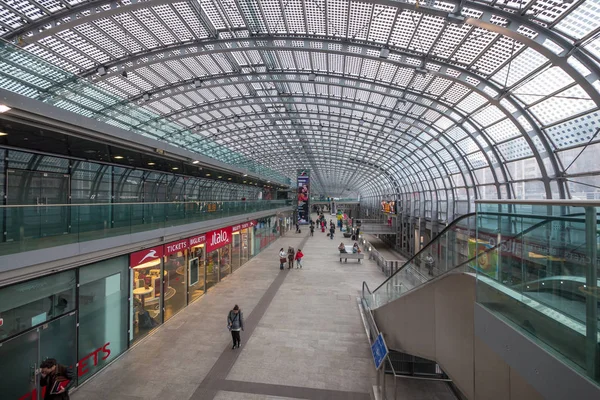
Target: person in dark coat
53,372
235,323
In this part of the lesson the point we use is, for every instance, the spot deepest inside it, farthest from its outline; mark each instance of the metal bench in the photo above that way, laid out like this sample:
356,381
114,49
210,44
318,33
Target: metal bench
350,255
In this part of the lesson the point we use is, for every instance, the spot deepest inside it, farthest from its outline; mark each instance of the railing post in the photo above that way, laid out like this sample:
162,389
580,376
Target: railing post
591,300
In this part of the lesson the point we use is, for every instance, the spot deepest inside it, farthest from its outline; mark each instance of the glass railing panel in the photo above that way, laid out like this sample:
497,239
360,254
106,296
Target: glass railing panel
542,276
453,247
36,227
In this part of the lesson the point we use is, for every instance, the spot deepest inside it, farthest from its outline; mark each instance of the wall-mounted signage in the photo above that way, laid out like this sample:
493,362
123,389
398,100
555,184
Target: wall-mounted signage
176,247
146,258
196,241
245,225
218,238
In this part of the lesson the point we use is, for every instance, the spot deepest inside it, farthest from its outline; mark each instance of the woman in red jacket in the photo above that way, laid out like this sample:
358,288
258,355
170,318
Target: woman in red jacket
299,256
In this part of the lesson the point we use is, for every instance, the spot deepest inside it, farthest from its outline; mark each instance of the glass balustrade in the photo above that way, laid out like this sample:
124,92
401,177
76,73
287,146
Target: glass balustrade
451,248
538,270
35,227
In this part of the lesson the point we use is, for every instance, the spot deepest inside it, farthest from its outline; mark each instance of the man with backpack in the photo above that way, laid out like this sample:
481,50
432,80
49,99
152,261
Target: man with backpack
312,230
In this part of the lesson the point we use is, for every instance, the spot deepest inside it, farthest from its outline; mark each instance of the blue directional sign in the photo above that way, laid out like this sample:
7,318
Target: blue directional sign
379,350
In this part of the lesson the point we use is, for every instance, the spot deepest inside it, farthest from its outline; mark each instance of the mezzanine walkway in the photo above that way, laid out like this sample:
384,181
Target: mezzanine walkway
304,337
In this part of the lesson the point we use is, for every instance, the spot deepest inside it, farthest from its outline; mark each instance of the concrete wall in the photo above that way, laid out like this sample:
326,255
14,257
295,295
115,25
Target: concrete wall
437,322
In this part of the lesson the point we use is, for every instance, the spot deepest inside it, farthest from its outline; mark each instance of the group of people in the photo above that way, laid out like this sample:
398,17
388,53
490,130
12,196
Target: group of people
355,248
290,256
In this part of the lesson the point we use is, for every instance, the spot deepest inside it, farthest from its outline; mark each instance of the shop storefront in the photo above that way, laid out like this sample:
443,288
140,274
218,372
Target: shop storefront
90,315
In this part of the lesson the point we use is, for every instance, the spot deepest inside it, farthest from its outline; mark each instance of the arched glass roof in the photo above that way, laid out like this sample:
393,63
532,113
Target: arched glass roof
440,101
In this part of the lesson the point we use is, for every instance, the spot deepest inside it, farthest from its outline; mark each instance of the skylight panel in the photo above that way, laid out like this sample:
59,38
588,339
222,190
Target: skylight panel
66,51
154,25
456,92
359,20
114,31
577,131
503,130
369,68
471,102
570,102
191,19
337,13
521,66
515,149
542,85
426,33
156,74
488,115
100,39
137,31
294,15
404,28
477,41
232,13
252,12
581,20
208,6
171,20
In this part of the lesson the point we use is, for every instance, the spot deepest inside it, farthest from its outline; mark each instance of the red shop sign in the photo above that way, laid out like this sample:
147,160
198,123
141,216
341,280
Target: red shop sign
197,240
245,225
175,247
218,238
145,256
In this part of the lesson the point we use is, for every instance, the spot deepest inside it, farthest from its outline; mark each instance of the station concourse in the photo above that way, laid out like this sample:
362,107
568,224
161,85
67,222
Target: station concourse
156,155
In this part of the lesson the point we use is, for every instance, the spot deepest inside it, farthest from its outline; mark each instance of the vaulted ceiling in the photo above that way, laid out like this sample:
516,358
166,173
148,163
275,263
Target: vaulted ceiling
377,97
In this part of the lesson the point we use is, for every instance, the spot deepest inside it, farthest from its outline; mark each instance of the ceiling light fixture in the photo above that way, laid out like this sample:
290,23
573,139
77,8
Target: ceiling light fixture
3,134
228,179
118,157
245,175
151,163
175,168
219,176
195,162
207,174
4,108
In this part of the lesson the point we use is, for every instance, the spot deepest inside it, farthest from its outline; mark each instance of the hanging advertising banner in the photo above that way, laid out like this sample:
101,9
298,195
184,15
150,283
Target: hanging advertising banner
146,257
218,238
303,196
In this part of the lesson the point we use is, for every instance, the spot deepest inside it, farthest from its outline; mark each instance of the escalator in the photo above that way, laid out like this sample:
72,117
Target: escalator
427,308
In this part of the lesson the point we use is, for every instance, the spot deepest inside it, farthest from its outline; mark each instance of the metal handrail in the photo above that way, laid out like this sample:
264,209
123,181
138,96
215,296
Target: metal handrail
545,202
146,203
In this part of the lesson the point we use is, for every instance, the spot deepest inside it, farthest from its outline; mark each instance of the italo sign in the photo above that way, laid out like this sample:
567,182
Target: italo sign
218,238
145,256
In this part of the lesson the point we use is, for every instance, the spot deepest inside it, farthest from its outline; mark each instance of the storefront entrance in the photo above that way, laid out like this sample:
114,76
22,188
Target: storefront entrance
22,356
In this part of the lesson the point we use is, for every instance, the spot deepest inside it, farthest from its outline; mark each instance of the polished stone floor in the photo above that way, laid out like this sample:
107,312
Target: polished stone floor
304,338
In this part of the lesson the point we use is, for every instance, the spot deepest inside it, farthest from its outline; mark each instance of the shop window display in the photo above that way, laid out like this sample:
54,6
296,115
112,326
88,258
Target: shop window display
212,269
225,261
147,276
236,251
175,277
244,246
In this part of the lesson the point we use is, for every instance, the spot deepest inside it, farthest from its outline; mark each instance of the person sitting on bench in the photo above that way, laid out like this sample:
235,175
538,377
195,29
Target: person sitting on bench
355,248
342,248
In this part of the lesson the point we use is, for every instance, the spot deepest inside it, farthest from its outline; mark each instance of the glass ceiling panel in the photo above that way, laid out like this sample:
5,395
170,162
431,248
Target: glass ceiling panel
171,66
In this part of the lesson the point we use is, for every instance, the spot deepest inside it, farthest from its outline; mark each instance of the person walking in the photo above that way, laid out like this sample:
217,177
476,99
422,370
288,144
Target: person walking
299,256
312,230
235,323
331,232
281,258
290,255
57,379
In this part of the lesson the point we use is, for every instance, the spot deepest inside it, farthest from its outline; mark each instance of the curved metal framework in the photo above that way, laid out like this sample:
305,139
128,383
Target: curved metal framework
429,103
